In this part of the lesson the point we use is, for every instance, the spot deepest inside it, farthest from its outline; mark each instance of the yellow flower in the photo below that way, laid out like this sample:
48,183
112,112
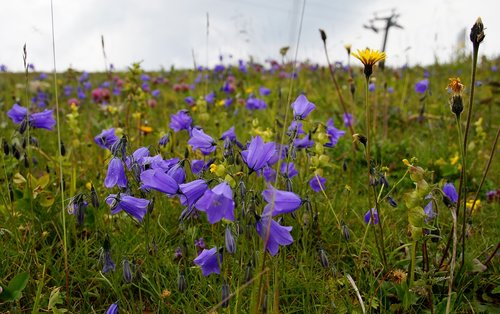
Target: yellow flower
455,85
369,58
146,129
470,202
454,159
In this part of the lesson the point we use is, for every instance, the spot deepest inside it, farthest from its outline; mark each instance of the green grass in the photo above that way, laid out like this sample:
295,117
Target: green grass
294,280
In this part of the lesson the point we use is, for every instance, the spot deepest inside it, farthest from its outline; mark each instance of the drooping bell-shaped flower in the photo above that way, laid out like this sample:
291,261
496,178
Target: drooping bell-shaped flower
180,121
208,261
317,183
199,140
116,174
368,216
450,191
217,203
136,207
280,202
192,191
258,153
302,107
157,179
106,138
274,233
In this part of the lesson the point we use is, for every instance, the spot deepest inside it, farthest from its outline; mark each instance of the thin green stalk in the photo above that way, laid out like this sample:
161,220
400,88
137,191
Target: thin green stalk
463,178
61,180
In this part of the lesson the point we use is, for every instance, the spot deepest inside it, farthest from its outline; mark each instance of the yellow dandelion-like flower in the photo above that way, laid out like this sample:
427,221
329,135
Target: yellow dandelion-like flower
454,159
455,85
369,58
470,202
146,129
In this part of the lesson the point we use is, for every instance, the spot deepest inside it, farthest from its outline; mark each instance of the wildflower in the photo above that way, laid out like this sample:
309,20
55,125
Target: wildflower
471,202
116,174
369,58
100,95
258,153
208,261
368,216
197,166
146,129
229,134
217,203
450,192
273,233
305,142
106,138
345,231
348,119
269,174
136,207
398,276
455,85
40,120
429,212
229,241
280,202
164,140
254,103
180,121
333,134
456,101
302,107
317,183
295,128
138,156
264,91
288,170
177,172
112,309
203,142
392,202
371,87
157,179
192,191
422,86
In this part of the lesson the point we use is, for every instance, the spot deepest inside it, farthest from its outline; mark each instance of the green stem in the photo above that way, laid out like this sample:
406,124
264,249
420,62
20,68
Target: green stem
413,262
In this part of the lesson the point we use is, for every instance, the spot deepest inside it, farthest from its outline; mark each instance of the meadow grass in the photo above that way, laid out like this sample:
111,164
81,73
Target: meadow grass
334,254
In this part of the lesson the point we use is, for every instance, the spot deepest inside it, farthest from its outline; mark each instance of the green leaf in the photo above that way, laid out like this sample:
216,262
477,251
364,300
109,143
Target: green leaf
19,282
14,290
416,216
496,290
55,299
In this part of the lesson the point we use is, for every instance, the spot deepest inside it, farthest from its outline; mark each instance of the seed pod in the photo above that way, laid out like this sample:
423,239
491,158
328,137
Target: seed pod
323,258
6,148
225,295
181,282
127,272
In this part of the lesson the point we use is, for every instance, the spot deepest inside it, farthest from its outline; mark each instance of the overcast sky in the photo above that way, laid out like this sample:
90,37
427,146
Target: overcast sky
161,33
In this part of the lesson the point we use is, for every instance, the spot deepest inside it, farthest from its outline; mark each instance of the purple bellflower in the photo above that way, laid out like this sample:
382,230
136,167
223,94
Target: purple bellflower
422,86
192,191
302,107
368,217
217,203
254,103
450,191
112,309
208,261
39,120
348,119
288,170
258,154
305,142
273,233
180,121
333,133
317,186
205,143
283,201
136,207
116,174
229,134
106,138
157,179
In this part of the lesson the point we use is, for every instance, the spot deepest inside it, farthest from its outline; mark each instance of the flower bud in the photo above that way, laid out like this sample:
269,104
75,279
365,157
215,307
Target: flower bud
127,272
225,295
229,240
